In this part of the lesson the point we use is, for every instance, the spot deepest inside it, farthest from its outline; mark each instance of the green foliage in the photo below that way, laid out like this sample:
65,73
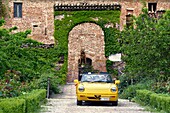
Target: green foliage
34,99
28,61
12,105
2,9
146,49
2,21
160,102
109,66
112,44
54,82
143,96
10,85
130,91
27,103
71,19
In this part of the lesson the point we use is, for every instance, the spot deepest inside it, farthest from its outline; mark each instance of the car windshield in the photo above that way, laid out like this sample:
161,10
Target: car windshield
96,78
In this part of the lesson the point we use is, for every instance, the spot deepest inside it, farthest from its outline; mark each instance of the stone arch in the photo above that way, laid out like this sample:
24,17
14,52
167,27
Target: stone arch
87,37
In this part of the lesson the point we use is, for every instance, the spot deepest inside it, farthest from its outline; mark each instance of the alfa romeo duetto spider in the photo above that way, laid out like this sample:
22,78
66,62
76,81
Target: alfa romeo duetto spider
97,87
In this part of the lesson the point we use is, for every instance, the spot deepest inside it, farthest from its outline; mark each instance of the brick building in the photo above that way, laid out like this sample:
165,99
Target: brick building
38,16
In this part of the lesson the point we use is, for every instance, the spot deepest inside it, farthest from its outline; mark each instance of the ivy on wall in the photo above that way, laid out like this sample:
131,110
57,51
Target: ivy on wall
2,9
68,20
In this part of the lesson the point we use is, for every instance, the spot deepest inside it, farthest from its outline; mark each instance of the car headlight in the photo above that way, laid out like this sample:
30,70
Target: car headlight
113,89
81,88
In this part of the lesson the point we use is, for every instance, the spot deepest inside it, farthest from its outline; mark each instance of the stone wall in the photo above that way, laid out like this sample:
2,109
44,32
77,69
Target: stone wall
127,6
37,16
88,37
134,7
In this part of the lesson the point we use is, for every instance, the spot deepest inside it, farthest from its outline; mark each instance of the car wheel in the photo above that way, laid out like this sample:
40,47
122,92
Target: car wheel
114,103
79,103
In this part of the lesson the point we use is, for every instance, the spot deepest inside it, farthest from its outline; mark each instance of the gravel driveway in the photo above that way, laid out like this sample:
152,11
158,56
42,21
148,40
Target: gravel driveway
66,103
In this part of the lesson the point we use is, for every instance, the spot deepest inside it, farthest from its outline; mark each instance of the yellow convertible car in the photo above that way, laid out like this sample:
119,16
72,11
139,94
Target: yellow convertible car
97,87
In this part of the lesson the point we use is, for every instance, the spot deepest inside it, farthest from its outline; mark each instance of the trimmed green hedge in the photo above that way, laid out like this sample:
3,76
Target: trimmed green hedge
1,111
24,104
33,99
12,105
160,102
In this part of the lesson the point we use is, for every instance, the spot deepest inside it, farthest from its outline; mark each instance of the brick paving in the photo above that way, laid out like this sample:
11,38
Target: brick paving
66,103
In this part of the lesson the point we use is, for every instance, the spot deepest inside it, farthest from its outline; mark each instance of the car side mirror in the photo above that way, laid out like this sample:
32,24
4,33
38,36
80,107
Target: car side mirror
76,81
117,82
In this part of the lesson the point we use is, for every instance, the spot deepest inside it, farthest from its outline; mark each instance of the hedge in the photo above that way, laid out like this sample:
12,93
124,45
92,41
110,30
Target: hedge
12,105
1,111
24,104
160,102
130,92
34,99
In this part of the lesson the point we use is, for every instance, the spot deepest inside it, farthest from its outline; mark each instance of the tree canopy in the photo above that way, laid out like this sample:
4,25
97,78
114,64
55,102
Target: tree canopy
146,48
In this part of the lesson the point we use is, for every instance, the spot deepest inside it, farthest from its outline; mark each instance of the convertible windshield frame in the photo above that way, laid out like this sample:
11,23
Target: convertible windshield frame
97,78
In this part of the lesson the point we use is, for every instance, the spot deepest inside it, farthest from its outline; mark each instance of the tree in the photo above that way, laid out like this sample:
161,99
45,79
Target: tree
146,48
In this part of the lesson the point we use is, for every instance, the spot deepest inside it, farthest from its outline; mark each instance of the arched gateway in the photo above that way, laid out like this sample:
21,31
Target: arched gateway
85,46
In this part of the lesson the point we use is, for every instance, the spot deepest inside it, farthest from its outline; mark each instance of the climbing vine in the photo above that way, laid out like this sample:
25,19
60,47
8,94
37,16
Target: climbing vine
70,19
2,9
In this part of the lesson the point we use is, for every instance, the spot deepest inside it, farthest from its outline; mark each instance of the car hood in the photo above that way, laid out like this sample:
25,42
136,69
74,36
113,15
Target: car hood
97,87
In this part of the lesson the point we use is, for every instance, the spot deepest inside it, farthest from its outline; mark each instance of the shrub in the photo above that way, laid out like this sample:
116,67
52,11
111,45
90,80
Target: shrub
146,49
130,92
27,103
12,105
16,52
160,102
42,82
34,99
143,96
1,111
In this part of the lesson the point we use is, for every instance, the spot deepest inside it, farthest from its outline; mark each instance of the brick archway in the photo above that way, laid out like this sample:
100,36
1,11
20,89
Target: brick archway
88,37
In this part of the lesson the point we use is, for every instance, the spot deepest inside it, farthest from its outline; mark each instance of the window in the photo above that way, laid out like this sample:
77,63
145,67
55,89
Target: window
129,15
152,7
129,21
18,10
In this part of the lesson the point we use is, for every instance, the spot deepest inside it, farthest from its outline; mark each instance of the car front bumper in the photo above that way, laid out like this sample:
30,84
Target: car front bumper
97,97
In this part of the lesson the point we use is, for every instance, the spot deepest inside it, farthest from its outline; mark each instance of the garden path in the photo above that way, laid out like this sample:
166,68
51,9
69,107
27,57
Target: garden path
66,103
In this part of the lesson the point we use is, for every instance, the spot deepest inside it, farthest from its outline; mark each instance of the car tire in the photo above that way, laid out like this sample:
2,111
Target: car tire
114,103
79,103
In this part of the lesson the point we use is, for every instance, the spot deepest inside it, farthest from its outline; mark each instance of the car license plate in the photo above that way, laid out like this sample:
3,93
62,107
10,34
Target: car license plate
104,99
